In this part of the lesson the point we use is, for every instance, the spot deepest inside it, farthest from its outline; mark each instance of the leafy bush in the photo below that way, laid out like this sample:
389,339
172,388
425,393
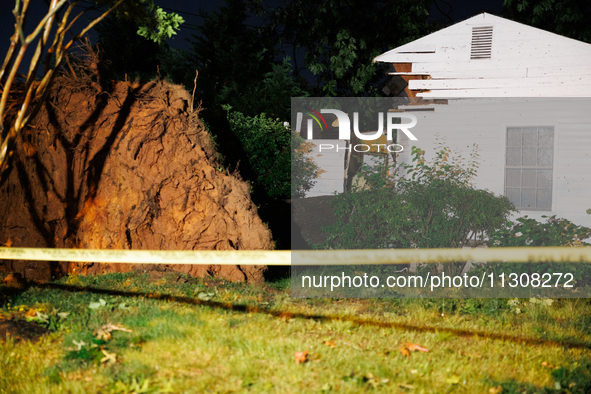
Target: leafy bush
446,211
368,219
530,232
267,144
303,168
434,207
444,215
270,147
278,157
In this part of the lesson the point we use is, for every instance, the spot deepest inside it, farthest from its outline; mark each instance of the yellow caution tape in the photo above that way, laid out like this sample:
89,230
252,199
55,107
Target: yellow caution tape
194,257
302,257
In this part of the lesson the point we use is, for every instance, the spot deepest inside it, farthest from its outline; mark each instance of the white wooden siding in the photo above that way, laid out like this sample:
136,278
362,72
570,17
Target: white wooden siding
484,122
525,62
333,164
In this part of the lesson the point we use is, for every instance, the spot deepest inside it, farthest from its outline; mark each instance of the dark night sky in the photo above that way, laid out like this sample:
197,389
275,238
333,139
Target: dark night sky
188,9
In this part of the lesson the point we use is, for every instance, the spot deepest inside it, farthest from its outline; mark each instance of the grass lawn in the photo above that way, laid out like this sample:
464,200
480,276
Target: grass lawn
151,333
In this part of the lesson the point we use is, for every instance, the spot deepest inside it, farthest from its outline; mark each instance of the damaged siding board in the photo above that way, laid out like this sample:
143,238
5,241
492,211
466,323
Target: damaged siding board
464,83
475,74
442,56
425,48
560,91
405,70
552,66
490,56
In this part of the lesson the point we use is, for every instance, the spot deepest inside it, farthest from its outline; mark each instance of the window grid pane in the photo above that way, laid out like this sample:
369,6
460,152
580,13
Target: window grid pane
528,171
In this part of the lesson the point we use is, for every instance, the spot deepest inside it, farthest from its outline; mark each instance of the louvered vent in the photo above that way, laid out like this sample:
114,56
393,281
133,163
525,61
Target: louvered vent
481,42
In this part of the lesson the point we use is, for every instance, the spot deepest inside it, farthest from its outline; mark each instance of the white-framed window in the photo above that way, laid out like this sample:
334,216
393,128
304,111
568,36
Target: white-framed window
529,166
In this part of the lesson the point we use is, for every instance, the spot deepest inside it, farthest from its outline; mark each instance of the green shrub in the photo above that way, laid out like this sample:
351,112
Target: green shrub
270,148
367,219
529,232
434,207
446,211
267,145
303,168
445,215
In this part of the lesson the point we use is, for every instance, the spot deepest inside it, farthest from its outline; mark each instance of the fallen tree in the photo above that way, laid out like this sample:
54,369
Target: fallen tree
124,166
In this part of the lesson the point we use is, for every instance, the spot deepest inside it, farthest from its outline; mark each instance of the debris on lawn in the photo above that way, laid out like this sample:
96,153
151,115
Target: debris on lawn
404,351
541,301
109,357
104,332
407,348
96,305
416,347
330,343
79,344
301,357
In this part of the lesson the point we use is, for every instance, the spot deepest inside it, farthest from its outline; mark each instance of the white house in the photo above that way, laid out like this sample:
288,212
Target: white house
523,95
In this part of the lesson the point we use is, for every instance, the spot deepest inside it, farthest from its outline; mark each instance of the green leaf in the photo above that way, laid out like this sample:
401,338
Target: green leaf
203,296
96,305
453,379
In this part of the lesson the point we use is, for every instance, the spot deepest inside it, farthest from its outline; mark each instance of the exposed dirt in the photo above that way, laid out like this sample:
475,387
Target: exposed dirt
130,167
20,330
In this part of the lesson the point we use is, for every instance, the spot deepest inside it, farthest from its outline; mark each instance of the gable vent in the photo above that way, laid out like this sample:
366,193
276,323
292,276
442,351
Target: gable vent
481,42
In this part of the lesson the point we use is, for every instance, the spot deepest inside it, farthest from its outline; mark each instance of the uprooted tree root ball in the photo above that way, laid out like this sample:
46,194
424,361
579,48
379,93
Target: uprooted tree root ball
131,167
